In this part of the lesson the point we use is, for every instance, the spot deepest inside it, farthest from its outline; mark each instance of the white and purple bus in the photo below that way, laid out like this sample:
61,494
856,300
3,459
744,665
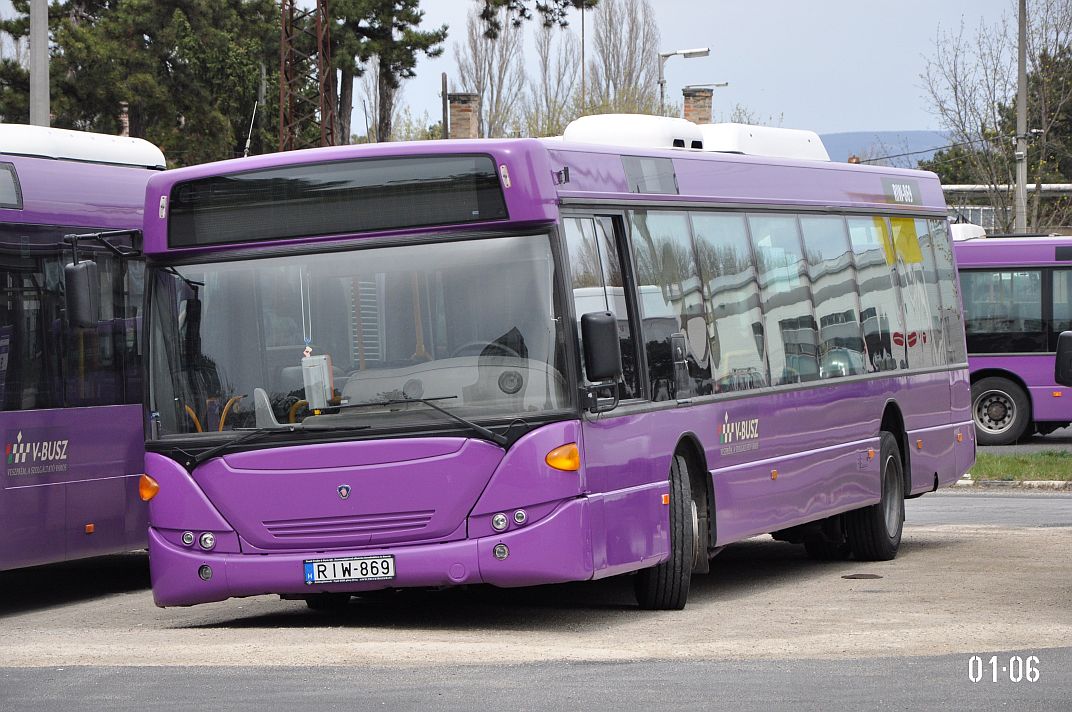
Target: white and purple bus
71,393
1017,300
521,362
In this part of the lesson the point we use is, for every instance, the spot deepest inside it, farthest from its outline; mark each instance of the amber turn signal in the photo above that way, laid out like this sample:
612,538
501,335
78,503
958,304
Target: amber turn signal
567,458
147,488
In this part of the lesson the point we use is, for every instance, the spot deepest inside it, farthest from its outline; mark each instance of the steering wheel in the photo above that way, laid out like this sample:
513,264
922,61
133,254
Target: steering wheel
476,348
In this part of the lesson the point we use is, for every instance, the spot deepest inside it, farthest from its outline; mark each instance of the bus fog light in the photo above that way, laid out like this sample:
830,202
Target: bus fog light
205,572
207,541
188,538
520,517
499,522
500,551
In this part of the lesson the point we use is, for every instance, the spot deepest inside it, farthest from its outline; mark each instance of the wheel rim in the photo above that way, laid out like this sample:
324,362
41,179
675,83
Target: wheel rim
995,412
891,494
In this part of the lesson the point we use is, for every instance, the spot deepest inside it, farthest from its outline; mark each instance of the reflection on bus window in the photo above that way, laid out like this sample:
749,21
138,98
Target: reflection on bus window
880,311
832,274
792,349
735,320
598,285
672,305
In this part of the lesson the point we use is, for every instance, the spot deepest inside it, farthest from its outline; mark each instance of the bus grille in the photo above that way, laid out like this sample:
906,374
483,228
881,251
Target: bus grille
362,524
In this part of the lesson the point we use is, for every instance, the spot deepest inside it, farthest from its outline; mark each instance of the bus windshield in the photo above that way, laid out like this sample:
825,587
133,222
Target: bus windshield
477,323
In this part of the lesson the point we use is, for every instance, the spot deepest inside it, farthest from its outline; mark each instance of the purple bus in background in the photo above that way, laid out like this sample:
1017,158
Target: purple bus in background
1017,300
71,396
520,362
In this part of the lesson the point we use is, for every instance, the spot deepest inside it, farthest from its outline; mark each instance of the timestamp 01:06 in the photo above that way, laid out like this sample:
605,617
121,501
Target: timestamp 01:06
1014,668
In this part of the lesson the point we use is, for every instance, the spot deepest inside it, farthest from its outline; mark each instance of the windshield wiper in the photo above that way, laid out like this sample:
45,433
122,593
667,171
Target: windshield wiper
430,402
257,434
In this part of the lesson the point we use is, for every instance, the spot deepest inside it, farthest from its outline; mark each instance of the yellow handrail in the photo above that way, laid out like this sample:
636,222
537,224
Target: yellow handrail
227,409
193,416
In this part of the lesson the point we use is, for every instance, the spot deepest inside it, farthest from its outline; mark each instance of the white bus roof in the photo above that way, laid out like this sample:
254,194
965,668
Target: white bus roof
45,142
669,132
634,130
763,141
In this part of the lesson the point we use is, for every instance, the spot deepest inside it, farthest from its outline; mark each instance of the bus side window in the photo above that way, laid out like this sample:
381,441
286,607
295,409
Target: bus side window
1003,311
1062,305
880,312
793,334
598,285
731,292
921,341
837,305
672,308
948,292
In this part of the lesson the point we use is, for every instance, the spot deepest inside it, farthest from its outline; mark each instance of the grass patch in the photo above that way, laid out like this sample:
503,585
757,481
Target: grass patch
1049,465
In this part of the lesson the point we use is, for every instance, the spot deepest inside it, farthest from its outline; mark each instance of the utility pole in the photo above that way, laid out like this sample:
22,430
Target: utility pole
584,97
1020,216
446,107
39,108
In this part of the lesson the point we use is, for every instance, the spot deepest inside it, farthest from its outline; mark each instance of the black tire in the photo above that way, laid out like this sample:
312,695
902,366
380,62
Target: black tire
328,602
1001,411
666,585
874,532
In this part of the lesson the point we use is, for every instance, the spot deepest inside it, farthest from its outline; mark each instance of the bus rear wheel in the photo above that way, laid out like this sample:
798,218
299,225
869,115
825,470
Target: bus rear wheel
666,586
1000,409
874,532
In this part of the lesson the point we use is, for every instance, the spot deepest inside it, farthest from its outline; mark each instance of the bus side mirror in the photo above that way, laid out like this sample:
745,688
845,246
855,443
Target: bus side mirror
82,286
1062,365
602,350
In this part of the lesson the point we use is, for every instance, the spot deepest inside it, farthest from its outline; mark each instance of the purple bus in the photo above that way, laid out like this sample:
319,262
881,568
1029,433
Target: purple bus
1017,300
522,362
71,394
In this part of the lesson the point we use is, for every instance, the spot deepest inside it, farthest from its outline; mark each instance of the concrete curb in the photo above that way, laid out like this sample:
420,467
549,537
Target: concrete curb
1016,484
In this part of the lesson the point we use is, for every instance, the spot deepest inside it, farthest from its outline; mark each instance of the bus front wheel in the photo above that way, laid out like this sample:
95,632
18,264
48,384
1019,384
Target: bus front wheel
874,532
1000,409
666,586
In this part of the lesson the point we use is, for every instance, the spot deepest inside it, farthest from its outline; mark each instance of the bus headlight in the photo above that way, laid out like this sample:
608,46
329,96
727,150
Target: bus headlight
207,541
499,522
501,551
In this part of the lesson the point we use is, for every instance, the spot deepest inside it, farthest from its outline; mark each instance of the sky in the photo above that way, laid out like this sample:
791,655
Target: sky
825,65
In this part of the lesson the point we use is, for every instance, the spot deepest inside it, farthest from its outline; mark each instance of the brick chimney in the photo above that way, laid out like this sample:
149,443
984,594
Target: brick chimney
698,104
464,111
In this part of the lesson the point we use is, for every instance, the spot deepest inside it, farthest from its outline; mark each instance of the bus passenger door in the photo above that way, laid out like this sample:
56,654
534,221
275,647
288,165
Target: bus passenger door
599,284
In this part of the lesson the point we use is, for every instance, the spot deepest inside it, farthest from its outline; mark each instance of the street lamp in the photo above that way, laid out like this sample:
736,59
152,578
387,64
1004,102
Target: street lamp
663,56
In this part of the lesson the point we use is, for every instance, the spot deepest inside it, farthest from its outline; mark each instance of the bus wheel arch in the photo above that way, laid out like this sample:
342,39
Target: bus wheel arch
1007,393
893,423
703,495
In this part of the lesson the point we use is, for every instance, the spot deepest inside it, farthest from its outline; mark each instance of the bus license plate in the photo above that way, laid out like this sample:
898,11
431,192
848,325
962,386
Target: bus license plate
361,568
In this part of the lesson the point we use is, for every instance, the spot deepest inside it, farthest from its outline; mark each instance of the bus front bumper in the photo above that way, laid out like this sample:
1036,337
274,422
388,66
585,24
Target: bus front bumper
555,549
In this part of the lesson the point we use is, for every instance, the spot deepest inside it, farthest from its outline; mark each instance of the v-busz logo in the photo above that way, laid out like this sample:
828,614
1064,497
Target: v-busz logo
738,435
35,457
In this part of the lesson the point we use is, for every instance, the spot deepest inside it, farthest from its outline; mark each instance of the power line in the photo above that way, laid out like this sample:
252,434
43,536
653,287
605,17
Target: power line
925,150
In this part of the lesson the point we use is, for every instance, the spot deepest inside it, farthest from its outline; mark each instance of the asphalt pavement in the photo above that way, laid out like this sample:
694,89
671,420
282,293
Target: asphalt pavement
979,574
895,683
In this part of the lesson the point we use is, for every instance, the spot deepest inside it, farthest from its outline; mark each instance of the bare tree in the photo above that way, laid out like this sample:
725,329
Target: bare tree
493,68
550,97
971,82
625,70
1048,39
